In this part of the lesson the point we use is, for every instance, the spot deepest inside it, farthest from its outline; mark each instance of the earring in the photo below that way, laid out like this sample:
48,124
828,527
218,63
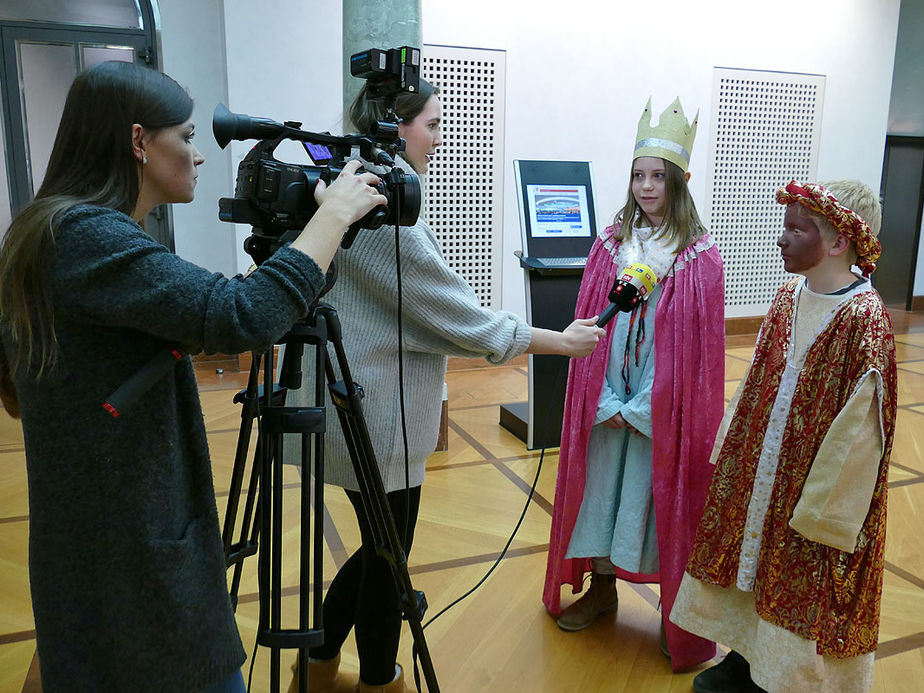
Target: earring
144,160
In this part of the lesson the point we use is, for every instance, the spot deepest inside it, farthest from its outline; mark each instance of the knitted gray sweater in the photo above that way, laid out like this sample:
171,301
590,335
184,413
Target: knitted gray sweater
126,562
441,317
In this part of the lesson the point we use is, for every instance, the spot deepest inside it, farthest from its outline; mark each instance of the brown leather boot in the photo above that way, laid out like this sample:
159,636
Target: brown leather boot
396,685
599,598
324,676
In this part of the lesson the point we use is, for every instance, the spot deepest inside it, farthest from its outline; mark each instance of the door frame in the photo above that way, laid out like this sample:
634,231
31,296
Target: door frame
146,43
914,143
17,164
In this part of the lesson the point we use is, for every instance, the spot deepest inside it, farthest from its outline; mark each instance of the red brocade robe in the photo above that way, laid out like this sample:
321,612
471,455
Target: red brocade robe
818,592
687,404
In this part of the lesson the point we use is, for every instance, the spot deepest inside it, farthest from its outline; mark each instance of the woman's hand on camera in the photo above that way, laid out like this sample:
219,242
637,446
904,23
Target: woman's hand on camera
347,199
350,195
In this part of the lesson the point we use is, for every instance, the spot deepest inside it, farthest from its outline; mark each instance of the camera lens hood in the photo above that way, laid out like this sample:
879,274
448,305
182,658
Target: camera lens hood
227,126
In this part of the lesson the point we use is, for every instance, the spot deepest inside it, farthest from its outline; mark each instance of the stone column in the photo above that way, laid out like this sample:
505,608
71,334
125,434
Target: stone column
380,24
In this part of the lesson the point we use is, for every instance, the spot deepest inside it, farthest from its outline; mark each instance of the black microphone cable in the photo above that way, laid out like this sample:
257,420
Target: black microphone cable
401,405
628,291
562,371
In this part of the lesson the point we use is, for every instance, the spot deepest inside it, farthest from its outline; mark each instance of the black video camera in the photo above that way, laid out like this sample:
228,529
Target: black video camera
276,197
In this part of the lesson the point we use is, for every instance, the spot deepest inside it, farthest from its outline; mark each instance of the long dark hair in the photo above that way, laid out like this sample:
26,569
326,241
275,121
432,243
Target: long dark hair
365,111
92,162
681,224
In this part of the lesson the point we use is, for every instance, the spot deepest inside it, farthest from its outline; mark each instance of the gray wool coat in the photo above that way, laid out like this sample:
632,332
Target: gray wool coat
125,556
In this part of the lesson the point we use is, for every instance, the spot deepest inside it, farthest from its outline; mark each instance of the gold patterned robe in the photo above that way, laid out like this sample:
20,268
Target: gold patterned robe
826,595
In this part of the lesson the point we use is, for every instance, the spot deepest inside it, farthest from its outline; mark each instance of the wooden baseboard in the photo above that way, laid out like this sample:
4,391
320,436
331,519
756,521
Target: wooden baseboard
917,303
233,363
746,325
460,364
241,362
229,362
733,327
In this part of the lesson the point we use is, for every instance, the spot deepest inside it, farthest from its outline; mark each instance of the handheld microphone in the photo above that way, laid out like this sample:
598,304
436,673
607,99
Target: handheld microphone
628,291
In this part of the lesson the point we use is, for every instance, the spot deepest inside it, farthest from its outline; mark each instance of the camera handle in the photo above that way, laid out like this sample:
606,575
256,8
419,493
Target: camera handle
350,234
264,508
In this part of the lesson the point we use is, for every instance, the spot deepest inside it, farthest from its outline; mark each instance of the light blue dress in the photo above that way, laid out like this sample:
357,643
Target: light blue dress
617,517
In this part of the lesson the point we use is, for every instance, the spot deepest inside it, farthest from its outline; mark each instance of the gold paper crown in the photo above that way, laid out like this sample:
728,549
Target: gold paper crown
671,139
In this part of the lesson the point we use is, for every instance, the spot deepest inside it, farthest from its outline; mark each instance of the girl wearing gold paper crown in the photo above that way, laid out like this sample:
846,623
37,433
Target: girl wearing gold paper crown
641,413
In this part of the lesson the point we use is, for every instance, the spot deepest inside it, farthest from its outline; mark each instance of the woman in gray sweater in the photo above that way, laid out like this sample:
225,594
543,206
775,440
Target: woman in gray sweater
441,317
125,556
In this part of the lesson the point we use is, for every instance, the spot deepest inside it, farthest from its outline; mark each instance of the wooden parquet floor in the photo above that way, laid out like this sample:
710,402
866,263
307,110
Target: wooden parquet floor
500,638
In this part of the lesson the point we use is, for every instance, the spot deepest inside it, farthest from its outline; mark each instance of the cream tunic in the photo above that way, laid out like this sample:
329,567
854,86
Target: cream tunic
834,503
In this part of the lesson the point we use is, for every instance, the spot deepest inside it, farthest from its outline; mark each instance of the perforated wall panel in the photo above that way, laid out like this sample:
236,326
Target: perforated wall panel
766,128
464,186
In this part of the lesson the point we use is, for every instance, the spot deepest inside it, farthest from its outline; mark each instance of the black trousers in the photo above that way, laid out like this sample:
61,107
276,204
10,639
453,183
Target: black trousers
363,595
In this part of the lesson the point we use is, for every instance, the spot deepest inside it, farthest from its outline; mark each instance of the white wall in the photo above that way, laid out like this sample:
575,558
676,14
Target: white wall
192,40
278,59
578,76
284,63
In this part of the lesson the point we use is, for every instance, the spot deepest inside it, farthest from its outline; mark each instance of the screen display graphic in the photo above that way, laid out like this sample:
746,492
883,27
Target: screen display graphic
558,211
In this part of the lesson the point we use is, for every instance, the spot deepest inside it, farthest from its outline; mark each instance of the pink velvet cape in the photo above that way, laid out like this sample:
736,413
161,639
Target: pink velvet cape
687,403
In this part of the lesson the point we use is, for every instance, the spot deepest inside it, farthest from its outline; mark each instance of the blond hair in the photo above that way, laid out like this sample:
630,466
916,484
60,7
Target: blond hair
856,196
860,198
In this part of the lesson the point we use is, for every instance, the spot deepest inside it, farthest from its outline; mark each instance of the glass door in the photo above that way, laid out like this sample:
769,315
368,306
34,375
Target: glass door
43,45
41,64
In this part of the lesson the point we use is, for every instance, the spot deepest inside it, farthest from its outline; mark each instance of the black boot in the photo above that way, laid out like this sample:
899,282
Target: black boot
731,675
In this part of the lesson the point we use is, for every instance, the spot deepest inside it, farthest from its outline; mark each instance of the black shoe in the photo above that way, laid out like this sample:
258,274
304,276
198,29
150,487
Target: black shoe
731,675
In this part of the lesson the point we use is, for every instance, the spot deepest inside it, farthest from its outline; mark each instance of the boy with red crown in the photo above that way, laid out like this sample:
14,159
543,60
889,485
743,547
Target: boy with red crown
786,568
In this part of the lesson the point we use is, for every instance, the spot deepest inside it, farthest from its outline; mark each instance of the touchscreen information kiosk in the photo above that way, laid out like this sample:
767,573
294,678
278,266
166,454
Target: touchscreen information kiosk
557,228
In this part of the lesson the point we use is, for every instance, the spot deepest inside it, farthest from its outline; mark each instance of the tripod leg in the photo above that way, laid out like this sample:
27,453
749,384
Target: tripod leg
236,553
312,572
267,478
248,413
275,421
247,546
347,399
250,526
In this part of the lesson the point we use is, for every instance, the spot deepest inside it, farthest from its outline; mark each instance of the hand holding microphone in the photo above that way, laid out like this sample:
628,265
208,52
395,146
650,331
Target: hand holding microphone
580,337
629,290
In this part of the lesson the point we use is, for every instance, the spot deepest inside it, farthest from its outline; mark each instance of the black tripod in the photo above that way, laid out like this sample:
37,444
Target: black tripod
263,510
